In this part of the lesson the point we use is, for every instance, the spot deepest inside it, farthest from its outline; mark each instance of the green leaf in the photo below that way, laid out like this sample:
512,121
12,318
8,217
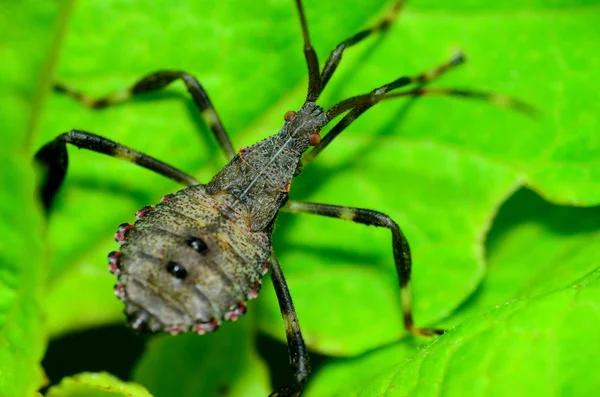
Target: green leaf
27,34
443,193
534,248
526,347
96,385
441,167
523,332
219,363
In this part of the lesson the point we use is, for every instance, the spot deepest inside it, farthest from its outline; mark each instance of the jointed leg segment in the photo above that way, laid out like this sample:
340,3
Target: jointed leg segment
54,159
401,249
53,155
297,350
156,81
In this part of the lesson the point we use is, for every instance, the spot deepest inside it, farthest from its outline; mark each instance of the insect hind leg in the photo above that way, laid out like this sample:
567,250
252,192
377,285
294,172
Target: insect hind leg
156,81
401,249
299,360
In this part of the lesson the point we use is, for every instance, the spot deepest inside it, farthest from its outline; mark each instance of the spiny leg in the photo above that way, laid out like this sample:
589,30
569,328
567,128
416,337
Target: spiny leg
299,359
349,118
401,249
156,81
53,158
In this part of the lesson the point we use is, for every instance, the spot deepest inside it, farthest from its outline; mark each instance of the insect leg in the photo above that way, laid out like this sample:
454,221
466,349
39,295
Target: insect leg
156,81
335,56
53,158
401,249
404,81
299,360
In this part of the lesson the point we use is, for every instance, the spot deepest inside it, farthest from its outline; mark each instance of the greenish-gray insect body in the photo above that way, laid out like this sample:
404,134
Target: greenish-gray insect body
190,262
214,239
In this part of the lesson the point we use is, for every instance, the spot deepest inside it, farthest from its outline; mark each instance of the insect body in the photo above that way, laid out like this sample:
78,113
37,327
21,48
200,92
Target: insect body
194,259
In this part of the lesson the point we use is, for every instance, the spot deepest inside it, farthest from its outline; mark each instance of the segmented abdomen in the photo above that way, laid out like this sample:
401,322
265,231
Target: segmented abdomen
190,262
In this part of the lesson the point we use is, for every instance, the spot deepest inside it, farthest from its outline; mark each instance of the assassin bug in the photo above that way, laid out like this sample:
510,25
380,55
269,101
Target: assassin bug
193,260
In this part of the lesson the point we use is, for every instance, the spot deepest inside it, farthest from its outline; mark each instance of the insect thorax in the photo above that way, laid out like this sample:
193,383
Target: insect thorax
259,176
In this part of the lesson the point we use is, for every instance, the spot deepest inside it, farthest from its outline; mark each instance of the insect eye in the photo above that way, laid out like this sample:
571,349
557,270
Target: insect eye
176,270
289,115
314,138
197,244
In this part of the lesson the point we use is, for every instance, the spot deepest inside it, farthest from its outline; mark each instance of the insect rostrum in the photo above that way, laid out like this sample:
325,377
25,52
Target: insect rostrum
193,260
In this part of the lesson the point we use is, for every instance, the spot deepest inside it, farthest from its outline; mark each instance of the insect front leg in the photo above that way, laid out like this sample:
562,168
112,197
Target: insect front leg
156,81
54,160
299,359
402,257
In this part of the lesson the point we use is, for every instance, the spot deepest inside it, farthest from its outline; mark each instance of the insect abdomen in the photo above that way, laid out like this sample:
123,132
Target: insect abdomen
190,262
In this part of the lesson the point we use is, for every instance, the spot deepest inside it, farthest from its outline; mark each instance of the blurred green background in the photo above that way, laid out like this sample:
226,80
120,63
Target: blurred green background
501,210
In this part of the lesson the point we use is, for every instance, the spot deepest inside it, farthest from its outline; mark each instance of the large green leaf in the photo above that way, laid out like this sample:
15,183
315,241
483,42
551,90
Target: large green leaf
528,329
25,47
534,248
536,346
96,385
441,167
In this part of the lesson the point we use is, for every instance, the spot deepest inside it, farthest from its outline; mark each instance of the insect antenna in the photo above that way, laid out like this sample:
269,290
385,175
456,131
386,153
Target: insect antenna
318,80
360,103
334,58
421,80
314,76
368,100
